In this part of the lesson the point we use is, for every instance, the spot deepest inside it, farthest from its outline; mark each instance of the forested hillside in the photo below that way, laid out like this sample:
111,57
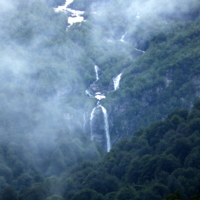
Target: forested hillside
158,162
151,88
54,130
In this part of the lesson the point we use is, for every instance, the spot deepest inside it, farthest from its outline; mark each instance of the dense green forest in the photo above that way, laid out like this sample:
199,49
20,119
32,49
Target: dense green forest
45,68
158,162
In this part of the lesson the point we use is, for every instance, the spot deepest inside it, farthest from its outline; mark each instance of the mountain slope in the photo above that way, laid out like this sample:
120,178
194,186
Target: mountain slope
45,114
164,78
158,160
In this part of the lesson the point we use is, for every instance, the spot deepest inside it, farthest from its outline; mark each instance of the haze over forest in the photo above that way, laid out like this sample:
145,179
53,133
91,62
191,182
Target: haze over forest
106,108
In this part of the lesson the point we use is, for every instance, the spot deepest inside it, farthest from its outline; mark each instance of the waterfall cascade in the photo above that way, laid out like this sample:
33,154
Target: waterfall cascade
138,16
106,127
91,118
123,36
88,93
116,81
75,15
95,91
139,50
99,96
96,72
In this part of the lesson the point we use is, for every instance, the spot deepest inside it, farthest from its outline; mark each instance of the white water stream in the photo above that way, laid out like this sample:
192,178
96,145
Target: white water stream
75,15
138,16
88,93
106,127
96,72
99,96
91,119
139,50
116,81
123,36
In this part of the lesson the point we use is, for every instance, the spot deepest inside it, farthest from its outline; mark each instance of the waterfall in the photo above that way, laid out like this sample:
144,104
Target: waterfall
138,15
116,81
91,118
96,131
84,122
106,127
96,72
64,7
99,95
139,50
123,36
88,93
75,15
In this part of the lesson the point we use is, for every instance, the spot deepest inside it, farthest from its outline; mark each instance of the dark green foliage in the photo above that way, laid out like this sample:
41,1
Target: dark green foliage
197,105
55,197
125,194
192,159
194,125
183,113
45,151
181,148
160,80
175,196
87,194
169,169
195,197
156,131
9,193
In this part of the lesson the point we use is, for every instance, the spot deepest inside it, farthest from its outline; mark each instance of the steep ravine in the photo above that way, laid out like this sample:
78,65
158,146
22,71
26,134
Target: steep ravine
99,121
153,84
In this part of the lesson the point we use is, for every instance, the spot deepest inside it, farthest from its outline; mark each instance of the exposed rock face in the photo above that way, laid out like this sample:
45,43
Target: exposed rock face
99,125
153,103
94,87
98,132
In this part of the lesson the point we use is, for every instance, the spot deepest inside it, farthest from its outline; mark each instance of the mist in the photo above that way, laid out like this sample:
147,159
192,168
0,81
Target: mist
40,63
46,67
41,88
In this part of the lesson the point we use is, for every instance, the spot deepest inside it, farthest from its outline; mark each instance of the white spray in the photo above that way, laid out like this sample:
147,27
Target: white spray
106,128
76,15
139,50
91,118
138,16
99,96
96,72
116,81
123,36
88,93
